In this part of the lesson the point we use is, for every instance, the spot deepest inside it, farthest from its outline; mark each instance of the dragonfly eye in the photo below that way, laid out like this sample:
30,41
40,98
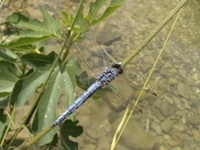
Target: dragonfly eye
120,71
119,67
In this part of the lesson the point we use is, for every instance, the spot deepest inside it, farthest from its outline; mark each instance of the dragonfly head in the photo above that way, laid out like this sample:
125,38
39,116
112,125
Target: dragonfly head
118,66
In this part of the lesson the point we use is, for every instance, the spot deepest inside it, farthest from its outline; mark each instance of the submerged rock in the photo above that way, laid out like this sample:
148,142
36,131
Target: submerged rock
164,107
136,137
183,90
167,125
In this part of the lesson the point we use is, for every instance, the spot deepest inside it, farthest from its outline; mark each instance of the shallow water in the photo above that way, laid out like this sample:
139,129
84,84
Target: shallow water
173,118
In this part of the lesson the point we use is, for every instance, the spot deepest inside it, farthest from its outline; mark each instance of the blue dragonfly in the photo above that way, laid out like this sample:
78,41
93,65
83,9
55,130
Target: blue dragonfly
108,75
104,76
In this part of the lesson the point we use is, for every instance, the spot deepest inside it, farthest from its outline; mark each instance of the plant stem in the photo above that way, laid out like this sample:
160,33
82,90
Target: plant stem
123,123
36,138
8,127
153,33
34,106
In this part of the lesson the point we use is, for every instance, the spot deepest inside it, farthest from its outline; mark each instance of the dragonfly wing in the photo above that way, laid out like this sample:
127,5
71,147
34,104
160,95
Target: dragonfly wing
122,94
89,53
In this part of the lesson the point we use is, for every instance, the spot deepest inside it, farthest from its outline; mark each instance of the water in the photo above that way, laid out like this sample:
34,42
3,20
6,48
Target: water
173,117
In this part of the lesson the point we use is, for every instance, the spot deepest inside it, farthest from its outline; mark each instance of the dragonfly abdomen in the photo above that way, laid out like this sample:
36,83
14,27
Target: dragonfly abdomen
79,101
104,78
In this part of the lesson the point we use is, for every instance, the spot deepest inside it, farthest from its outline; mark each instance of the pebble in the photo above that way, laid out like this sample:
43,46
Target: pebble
168,99
146,67
173,71
180,127
165,107
93,134
183,90
181,103
162,147
35,14
17,5
167,125
194,119
172,81
90,147
103,140
198,109
196,135
163,71
183,120
177,148
182,72
148,61
159,115
167,137
195,76
156,128
177,138
136,136
109,38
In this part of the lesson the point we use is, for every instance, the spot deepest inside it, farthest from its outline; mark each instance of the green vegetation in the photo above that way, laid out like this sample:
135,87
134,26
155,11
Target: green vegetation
26,70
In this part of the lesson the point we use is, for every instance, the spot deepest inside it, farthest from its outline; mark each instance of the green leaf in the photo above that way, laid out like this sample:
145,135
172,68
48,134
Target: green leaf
54,144
21,42
70,128
8,55
52,25
60,81
8,77
78,19
33,29
92,16
4,101
25,87
48,26
39,61
21,47
4,94
67,19
94,9
73,67
75,23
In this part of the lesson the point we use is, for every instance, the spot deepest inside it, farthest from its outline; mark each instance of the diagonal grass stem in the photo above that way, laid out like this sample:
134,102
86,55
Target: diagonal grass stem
124,122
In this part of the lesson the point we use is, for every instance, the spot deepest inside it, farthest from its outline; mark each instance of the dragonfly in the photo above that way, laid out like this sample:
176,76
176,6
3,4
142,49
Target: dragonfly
104,78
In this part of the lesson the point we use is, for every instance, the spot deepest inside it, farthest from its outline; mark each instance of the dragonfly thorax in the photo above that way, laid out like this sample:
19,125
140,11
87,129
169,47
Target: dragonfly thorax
118,66
110,74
